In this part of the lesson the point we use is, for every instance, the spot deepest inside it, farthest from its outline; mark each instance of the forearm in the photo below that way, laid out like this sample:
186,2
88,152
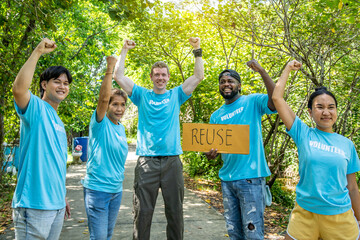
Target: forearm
199,69
120,65
119,73
270,85
192,82
105,90
279,90
355,202
285,112
24,78
104,94
354,194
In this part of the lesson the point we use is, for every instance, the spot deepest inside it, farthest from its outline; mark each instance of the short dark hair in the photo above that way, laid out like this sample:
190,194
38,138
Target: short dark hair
319,91
117,92
232,73
53,72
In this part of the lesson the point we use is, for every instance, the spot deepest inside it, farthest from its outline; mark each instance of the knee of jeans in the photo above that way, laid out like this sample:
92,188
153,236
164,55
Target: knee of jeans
250,226
230,227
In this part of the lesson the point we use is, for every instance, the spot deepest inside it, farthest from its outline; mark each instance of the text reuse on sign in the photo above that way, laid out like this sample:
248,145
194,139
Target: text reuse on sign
226,138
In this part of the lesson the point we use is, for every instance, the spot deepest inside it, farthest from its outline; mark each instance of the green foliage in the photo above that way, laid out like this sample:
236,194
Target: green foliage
324,35
282,195
84,34
7,187
197,164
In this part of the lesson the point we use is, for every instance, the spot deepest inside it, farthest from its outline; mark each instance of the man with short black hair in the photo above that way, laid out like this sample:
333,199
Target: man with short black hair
39,203
243,175
158,144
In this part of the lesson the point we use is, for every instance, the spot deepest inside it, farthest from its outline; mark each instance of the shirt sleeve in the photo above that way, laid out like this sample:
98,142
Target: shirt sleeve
182,95
31,113
262,100
137,93
95,125
354,164
298,130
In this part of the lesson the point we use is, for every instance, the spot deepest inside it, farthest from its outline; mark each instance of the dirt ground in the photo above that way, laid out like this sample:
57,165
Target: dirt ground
276,217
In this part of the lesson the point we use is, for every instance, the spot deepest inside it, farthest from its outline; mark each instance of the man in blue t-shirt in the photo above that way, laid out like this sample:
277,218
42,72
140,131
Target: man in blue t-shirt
243,175
158,142
39,203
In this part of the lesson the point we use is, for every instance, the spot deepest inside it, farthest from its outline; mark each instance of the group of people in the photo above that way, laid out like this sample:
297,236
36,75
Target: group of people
327,203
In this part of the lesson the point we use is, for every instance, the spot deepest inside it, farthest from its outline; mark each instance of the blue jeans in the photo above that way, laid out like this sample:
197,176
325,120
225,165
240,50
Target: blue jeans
38,224
102,209
244,207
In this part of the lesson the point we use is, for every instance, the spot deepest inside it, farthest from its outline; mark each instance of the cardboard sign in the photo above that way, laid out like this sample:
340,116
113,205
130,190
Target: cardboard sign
226,138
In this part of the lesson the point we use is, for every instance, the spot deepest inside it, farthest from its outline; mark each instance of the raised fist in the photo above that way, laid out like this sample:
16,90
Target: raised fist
294,65
129,44
195,42
46,46
254,65
111,60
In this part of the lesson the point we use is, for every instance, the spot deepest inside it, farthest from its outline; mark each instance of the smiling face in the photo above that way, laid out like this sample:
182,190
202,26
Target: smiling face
56,89
324,112
116,108
160,77
229,87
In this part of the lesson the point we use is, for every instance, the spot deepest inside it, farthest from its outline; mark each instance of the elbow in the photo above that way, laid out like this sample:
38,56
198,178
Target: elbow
16,90
105,100
119,78
200,77
275,98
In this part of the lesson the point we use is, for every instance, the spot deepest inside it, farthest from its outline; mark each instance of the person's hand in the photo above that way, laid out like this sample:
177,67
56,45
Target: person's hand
67,210
111,60
254,65
212,154
129,44
45,46
294,65
195,42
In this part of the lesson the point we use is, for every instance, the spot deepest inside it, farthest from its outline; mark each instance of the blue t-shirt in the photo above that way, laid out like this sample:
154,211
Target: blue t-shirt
108,150
43,154
159,124
325,159
247,110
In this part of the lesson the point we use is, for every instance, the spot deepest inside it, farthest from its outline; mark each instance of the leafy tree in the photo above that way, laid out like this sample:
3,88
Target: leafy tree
85,31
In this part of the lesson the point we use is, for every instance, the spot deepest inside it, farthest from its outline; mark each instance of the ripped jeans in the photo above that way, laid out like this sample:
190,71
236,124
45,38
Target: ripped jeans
244,207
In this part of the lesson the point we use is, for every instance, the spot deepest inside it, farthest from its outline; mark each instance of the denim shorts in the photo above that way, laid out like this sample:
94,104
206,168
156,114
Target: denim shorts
38,224
244,208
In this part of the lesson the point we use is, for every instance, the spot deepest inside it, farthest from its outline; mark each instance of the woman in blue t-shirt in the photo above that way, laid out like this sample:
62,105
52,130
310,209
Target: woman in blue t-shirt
327,196
107,154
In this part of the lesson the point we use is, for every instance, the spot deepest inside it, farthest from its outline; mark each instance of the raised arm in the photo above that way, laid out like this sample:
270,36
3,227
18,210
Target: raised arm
269,83
125,83
191,83
285,112
24,78
105,90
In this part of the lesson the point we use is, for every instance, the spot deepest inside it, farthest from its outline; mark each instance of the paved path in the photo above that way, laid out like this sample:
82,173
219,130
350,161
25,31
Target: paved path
201,222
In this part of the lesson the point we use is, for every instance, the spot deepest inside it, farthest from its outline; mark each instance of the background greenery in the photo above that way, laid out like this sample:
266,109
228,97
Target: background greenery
322,34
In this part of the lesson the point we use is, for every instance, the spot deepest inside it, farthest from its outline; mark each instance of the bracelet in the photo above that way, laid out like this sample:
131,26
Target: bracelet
197,52
108,73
